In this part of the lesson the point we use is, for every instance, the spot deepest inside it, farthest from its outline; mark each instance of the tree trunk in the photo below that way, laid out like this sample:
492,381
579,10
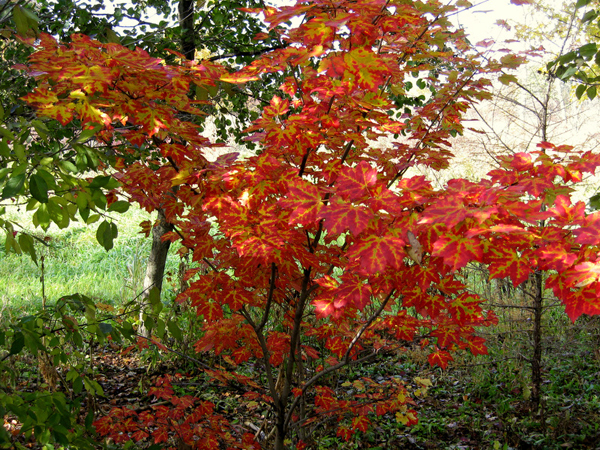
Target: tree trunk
155,269
186,22
536,360
158,254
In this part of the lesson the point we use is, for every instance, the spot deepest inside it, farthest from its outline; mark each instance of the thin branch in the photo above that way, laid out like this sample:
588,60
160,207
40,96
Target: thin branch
367,324
263,322
249,53
183,355
346,361
266,354
321,374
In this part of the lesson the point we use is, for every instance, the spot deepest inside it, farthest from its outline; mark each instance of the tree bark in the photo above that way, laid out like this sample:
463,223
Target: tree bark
155,270
536,360
158,254
186,23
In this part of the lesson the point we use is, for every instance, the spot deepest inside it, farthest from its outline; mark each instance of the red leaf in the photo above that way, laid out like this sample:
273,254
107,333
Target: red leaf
353,183
160,435
458,251
440,358
361,423
555,256
341,216
345,433
377,253
210,310
367,67
477,345
582,301
305,202
506,262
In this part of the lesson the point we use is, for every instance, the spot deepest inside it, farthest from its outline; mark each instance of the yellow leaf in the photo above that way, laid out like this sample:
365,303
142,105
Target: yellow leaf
180,178
423,381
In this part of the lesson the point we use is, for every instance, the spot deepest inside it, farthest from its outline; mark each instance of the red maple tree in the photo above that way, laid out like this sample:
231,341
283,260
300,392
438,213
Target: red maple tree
321,251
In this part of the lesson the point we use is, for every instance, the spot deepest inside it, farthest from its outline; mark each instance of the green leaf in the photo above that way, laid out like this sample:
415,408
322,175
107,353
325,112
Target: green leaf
92,219
112,37
7,134
26,243
120,206
18,343
67,166
77,339
100,181
566,58
582,3
587,51
41,217
19,150
580,90
201,94
127,329
149,323
31,15
84,213
591,92
589,15
595,202
568,73
4,173
112,184
11,244
160,328
105,328
86,135
77,385
89,418
4,148
98,198
58,214
38,188
213,90
154,296
106,233
21,21
175,330
40,128
13,186
82,200
48,178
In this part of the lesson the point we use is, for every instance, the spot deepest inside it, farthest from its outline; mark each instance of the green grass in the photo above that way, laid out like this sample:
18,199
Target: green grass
74,262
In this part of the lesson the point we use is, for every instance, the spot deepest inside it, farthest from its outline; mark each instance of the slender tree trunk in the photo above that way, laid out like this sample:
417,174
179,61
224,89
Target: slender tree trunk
186,22
155,269
536,360
158,254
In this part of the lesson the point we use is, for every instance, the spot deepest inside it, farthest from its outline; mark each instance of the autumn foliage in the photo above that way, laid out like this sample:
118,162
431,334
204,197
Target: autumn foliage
323,250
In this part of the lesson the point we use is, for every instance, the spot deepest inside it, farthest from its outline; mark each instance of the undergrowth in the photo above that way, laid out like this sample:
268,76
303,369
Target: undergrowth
74,262
477,403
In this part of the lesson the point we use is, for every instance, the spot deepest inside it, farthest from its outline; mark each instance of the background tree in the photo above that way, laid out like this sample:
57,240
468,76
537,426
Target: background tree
74,156
581,62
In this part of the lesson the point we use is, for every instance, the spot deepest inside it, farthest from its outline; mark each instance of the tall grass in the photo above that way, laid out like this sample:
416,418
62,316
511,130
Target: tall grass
74,262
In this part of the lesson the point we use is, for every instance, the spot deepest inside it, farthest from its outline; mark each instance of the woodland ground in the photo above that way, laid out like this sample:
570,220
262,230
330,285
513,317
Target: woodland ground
477,403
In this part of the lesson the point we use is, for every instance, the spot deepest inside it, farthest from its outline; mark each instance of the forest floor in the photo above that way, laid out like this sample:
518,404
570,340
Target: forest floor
480,403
